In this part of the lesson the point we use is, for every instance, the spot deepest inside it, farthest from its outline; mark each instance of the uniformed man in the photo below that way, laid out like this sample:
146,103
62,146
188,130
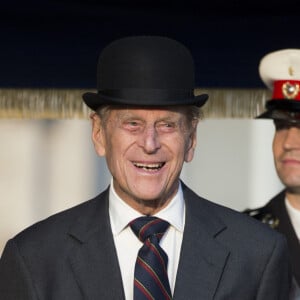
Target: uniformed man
280,71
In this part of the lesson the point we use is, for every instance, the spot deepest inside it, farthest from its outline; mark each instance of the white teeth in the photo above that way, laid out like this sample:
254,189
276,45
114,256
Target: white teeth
148,166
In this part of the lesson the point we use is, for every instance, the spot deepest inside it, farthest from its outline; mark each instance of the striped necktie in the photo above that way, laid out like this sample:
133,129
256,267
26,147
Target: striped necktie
150,275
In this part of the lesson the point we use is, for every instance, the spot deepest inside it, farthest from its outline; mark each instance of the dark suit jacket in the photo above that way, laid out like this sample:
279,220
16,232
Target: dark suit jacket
71,255
276,210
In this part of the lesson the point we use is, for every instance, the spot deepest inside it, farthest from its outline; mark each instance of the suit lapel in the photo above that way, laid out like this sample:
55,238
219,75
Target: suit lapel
95,264
202,258
94,259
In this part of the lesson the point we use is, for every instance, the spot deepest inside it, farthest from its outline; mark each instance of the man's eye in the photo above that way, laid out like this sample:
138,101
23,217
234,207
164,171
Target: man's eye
133,123
170,124
166,125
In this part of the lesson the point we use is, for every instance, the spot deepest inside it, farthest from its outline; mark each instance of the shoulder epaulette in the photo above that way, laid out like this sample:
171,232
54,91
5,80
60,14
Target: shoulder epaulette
263,216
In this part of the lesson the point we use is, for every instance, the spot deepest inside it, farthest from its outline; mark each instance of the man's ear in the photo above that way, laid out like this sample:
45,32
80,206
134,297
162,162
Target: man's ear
98,135
192,142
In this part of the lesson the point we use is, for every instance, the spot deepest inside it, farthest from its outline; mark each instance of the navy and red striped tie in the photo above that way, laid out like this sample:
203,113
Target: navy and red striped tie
150,275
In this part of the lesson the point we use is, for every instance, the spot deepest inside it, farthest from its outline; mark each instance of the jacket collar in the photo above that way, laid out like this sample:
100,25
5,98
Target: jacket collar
202,258
201,262
94,259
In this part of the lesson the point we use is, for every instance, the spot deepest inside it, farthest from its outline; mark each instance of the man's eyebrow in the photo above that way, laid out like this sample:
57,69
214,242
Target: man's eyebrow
128,115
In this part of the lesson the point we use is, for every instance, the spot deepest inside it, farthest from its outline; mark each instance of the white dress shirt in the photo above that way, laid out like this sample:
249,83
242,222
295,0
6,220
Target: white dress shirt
128,245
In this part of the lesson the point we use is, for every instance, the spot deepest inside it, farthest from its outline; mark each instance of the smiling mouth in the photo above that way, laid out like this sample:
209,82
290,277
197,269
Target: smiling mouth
290,160
149,167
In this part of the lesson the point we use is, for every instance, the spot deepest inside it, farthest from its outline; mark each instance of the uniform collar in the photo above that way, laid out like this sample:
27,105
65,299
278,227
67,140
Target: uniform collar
294,216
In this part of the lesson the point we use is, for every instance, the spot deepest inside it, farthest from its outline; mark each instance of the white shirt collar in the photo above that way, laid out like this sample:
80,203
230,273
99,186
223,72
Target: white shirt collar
121,213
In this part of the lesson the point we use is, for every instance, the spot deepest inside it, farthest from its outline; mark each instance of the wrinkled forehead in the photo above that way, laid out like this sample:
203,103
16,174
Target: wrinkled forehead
145,111
171,108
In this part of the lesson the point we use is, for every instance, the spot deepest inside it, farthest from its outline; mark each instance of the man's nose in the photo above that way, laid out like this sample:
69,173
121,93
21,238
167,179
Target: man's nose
292,138
149,140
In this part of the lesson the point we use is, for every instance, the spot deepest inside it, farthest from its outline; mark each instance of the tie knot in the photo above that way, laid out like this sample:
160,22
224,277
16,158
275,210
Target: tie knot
145,227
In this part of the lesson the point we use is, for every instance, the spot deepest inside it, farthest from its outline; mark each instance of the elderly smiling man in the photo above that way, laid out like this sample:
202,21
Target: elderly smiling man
147,236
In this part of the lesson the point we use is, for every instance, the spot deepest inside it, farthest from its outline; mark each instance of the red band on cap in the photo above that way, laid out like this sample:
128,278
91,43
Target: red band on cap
287,89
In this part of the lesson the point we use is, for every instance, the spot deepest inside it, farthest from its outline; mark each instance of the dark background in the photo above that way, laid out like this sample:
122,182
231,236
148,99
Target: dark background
56,43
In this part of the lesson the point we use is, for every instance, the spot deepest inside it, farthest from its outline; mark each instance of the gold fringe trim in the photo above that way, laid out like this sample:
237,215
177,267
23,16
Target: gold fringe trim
234,103
68,104
42,104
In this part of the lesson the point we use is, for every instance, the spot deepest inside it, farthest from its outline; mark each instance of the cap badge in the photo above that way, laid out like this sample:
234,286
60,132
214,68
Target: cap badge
290,90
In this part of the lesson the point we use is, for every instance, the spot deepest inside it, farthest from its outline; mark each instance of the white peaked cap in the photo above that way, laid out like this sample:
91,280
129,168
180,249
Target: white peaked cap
280,65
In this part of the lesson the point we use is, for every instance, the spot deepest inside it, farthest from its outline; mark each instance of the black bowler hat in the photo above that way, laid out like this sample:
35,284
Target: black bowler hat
147,71
280,71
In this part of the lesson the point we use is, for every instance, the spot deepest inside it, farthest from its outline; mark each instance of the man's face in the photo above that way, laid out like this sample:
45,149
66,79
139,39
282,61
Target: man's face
145,150
286,150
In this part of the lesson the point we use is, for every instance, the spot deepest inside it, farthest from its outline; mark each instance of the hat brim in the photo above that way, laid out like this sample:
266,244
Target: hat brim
156,98
274,106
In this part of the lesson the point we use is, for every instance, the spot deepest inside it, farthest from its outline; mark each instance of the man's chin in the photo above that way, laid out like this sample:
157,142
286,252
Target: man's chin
295,190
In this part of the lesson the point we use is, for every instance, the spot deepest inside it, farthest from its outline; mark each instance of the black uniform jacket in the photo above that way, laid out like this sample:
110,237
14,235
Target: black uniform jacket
274,213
